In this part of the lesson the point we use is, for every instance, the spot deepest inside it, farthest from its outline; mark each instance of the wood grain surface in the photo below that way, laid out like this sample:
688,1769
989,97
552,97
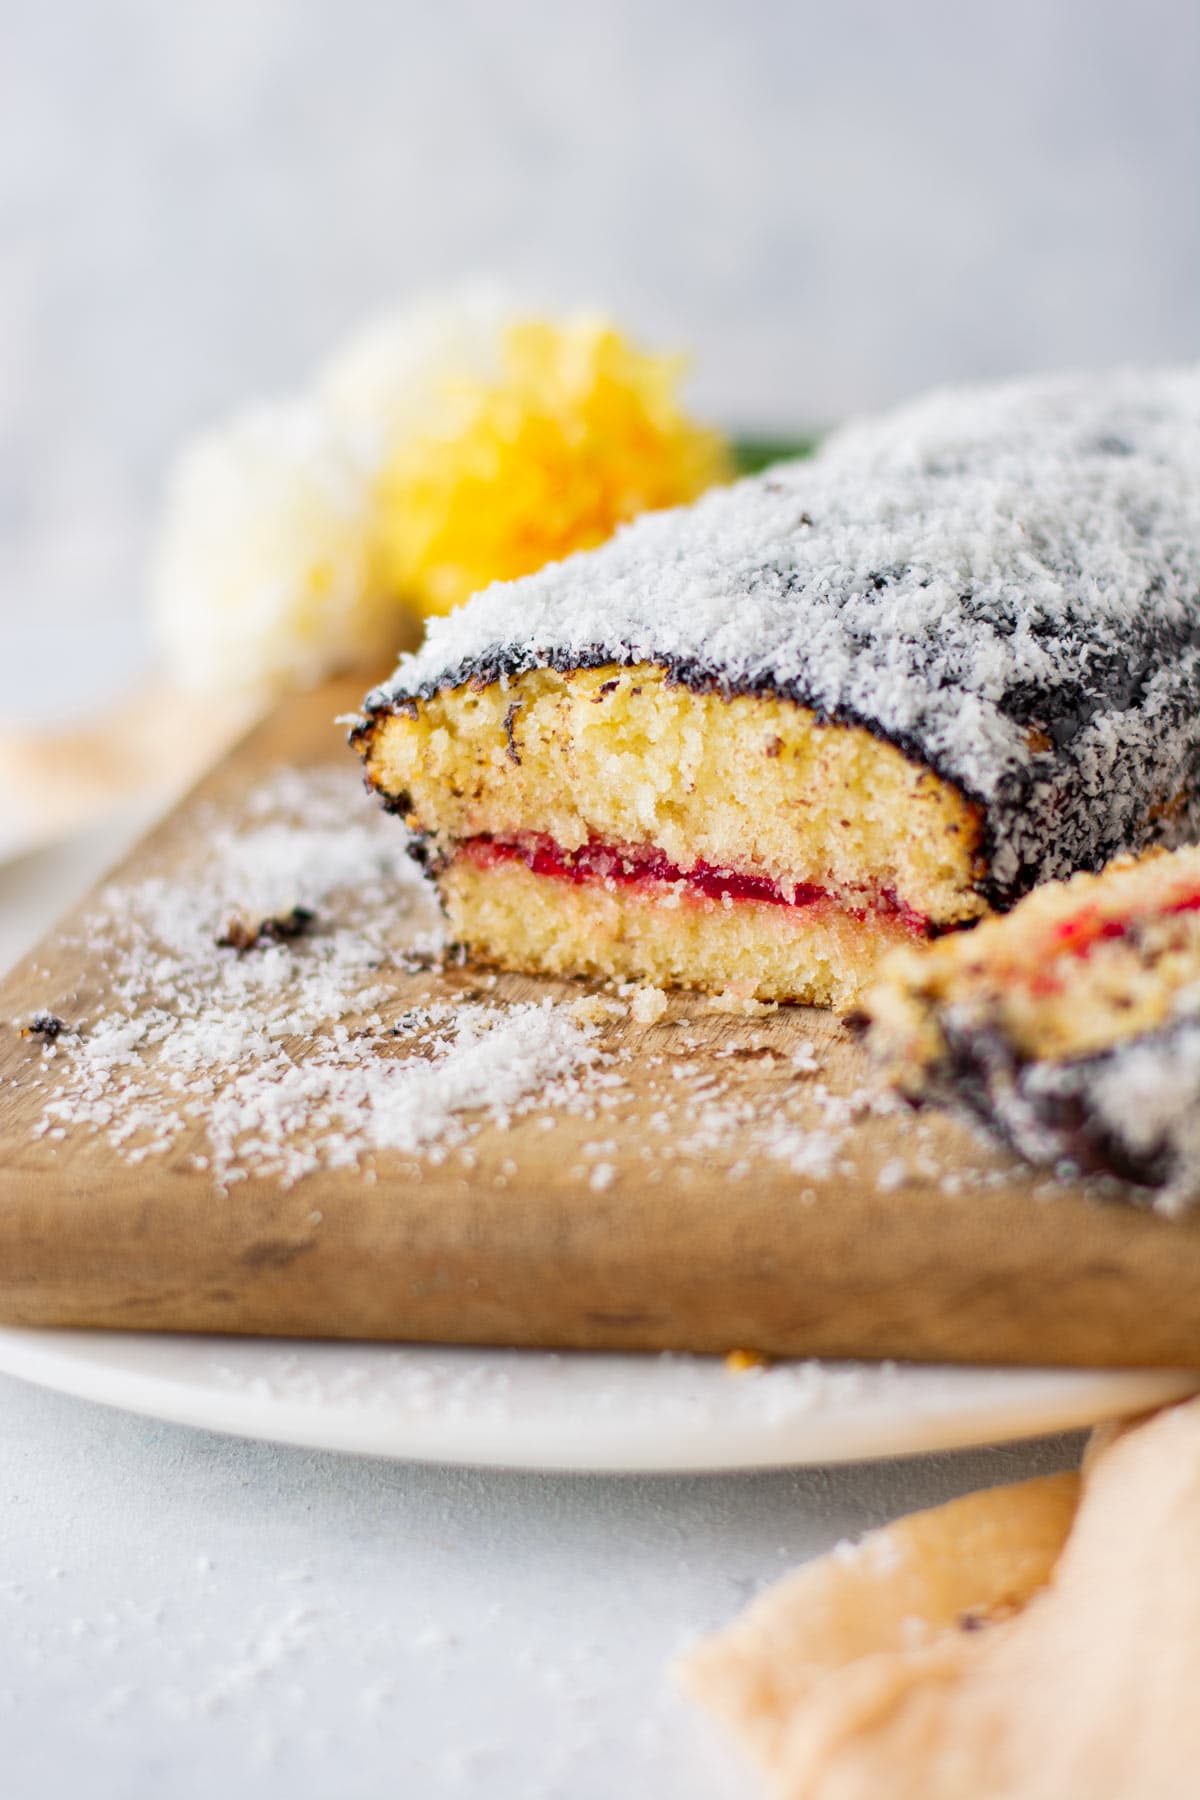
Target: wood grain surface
973,1258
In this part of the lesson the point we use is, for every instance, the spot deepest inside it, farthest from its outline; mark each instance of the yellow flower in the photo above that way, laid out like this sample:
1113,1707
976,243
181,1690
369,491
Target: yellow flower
458,442
572,433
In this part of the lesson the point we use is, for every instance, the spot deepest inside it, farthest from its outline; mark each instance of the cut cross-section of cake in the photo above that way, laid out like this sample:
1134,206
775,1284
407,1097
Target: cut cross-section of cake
613,821
849,703
1071,1026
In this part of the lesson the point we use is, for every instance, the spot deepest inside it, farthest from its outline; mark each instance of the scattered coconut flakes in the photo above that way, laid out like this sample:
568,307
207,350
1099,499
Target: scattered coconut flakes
295,1057
814,1153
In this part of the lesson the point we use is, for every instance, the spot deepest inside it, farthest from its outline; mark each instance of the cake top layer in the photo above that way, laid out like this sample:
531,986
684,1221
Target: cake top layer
995,579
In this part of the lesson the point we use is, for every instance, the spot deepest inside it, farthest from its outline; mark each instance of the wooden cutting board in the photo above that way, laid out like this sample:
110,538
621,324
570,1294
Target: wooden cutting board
960,1253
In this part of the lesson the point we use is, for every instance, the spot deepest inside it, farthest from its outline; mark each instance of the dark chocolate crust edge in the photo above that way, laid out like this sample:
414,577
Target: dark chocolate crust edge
1053,1114
1172,815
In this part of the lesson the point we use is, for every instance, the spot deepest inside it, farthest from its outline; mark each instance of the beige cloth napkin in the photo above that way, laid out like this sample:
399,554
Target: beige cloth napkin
1008,1646
59,780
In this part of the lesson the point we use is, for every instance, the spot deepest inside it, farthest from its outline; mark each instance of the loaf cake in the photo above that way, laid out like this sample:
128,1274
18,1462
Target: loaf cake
1071,1026
847,704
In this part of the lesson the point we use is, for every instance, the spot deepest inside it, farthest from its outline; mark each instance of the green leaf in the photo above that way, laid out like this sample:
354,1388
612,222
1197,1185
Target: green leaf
750,454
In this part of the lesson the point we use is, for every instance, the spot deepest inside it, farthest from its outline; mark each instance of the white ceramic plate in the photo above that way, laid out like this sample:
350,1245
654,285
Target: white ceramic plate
537,1410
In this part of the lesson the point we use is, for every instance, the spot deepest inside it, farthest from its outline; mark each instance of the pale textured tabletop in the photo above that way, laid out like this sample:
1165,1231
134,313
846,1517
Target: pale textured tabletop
183,1614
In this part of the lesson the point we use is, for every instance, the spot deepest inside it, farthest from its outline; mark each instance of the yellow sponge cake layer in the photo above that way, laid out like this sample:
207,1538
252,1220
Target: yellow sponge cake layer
1078,967
625,756
663,933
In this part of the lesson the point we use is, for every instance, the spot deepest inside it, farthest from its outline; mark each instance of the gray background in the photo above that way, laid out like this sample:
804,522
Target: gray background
832,205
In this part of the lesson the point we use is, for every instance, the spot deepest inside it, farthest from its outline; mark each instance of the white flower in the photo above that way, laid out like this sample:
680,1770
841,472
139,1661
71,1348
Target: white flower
302,537
391,378
265,569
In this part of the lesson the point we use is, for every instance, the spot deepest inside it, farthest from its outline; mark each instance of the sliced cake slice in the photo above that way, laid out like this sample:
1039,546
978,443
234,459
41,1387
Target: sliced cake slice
844,705
613,821
1071,1026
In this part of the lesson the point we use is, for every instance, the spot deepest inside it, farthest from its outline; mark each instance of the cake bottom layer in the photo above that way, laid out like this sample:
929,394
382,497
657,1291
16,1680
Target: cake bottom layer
820,953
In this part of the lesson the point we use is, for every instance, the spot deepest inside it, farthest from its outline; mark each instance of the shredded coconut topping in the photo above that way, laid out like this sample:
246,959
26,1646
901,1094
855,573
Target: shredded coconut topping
1003,581
1144,1095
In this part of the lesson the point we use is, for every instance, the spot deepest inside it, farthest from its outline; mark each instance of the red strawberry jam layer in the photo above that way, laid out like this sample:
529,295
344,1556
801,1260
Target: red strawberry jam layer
1079,935
641,865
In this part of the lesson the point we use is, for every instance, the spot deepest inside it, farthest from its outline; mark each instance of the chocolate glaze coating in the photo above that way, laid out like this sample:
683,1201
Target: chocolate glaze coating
1132,1111
1004,583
